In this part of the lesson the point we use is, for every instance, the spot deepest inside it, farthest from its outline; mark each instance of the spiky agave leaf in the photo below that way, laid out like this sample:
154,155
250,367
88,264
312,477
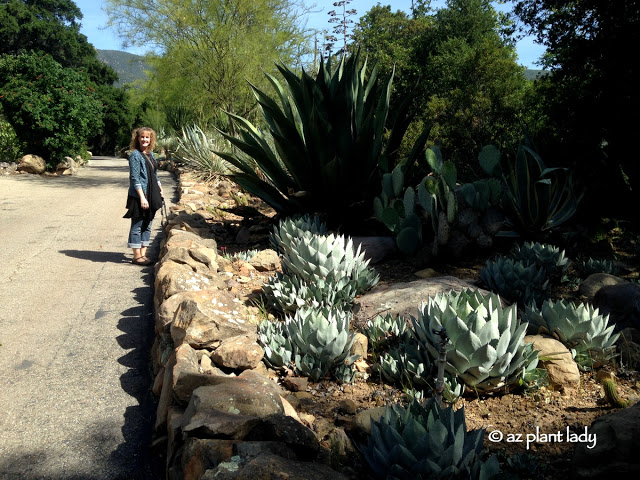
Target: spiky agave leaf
289,293
486,341
425,442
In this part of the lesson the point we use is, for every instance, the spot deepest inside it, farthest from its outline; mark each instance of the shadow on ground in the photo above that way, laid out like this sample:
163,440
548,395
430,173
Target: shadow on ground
138,325
97,256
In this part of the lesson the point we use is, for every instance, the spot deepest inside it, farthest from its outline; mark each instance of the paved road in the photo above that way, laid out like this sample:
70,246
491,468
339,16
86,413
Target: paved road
76,327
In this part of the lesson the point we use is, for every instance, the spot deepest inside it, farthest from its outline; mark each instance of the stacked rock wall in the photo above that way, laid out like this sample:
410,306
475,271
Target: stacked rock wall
219,414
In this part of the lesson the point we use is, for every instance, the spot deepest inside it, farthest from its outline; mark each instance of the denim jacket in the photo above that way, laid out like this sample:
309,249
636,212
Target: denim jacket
138,176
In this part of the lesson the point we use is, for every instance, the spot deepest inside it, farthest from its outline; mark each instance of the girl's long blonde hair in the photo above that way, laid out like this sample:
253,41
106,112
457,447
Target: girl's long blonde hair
135,137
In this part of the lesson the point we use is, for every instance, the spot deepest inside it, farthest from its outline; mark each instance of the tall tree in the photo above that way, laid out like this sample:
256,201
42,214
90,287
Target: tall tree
590,99
52,27
454,65
208,49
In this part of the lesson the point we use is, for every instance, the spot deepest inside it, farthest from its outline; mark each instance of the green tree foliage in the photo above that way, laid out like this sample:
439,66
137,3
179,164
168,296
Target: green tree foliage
206,50
590,100
53,109
459,71
52,27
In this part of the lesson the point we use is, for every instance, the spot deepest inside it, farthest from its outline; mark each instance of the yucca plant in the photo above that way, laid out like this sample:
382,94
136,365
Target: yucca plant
320,341
423,442
195,150
487,350
537,198
318,258
328,140
580,327
544,255
293,227
517,281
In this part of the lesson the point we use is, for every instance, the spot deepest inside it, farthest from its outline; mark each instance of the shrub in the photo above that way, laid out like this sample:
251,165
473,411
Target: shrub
54,110
10,147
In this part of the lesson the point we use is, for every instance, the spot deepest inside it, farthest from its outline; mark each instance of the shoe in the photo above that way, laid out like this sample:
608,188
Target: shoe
143,261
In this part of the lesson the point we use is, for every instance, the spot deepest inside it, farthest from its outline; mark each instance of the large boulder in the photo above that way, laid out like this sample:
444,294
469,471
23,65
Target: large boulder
596,281
621,302
67,166
32,164
203,319
404,298
611,451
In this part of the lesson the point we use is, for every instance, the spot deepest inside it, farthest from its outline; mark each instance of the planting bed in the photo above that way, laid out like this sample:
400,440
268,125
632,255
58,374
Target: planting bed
542,424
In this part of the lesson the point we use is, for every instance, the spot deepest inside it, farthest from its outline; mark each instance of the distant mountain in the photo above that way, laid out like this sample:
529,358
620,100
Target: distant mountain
531,74
128,66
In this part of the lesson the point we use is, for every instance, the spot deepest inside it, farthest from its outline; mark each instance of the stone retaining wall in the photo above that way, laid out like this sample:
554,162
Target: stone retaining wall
219,413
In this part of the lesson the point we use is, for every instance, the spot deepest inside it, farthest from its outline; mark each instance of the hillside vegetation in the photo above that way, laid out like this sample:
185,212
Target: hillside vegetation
128,66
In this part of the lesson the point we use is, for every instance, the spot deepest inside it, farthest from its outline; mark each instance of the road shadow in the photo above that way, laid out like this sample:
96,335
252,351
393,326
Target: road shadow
97,256
137,325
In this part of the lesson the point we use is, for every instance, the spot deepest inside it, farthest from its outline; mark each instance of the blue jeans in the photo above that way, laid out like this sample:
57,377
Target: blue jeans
140,233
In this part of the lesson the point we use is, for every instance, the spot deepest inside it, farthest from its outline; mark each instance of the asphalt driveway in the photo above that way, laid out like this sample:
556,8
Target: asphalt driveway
76,327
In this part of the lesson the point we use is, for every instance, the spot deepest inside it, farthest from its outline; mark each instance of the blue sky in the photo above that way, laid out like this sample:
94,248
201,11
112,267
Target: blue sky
94,21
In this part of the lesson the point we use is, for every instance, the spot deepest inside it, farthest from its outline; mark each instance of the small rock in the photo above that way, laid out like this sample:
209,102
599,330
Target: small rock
295,384
348,406
427,273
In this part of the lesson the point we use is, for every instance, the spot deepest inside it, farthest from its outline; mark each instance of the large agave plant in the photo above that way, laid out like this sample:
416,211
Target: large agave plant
424,442
320,340
487,350
515,280
328,140
580,327
288,293
318,258
291,228
544,255
538,198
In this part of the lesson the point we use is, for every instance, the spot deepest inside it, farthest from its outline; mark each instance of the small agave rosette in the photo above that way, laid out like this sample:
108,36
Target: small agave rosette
272,335
579,327
422,442
288,293
544,255
486,341
320,340
515,280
